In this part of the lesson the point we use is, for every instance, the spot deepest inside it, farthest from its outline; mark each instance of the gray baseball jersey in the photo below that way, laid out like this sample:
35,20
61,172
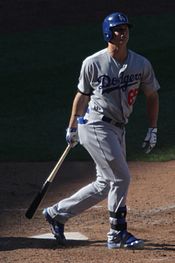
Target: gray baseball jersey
114,87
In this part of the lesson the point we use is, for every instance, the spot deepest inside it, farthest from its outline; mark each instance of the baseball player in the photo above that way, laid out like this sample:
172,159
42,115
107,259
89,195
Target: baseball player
108,86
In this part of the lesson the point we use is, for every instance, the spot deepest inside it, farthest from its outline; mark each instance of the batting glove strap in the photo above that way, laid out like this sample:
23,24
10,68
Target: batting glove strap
150,140
72,136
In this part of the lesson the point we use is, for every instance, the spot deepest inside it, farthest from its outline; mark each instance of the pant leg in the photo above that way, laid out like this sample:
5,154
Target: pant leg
106,145
118,191
83,199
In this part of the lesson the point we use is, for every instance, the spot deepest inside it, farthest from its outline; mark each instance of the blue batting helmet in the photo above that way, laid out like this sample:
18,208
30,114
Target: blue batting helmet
112,20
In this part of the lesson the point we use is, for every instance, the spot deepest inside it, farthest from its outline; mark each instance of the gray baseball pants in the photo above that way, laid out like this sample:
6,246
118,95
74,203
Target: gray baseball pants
106,145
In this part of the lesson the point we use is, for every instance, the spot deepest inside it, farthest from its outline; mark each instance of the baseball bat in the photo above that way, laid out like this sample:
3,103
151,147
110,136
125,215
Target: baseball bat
40,195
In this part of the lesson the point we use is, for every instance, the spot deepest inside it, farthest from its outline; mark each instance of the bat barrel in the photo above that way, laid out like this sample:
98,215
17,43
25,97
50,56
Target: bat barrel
37,200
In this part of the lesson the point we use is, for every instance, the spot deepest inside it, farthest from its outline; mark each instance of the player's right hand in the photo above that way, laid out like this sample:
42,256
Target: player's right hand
72,136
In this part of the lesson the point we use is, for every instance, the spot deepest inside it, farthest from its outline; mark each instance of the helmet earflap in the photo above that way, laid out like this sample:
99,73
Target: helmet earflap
107,35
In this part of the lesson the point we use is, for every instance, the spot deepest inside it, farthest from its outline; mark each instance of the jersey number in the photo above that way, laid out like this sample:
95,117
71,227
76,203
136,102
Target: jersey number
132,94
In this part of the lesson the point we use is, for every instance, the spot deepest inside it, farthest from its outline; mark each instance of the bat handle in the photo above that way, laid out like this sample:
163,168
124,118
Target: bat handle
59,163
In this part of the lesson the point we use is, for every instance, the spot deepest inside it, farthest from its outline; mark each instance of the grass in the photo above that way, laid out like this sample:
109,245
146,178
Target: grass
38,76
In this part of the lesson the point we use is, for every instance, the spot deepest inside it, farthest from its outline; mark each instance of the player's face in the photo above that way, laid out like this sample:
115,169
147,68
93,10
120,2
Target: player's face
120,35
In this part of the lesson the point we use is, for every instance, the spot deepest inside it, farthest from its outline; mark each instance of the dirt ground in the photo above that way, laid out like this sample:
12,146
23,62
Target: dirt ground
151,214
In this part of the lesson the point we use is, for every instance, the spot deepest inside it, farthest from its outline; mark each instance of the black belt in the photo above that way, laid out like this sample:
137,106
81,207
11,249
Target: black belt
117,124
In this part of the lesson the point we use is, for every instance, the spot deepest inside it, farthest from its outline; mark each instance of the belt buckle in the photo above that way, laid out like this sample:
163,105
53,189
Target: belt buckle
111,121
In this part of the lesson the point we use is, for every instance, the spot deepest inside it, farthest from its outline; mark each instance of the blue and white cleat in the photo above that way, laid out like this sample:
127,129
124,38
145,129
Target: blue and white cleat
124,239
56,228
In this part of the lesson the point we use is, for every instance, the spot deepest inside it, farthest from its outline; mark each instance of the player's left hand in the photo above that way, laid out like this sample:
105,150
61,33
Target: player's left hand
72,137
150,140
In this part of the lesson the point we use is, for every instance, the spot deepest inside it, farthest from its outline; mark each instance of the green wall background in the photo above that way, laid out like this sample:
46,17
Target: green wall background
39,72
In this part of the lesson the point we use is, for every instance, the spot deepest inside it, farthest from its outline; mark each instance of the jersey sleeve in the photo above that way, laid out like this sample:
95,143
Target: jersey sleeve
84,84
149,82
